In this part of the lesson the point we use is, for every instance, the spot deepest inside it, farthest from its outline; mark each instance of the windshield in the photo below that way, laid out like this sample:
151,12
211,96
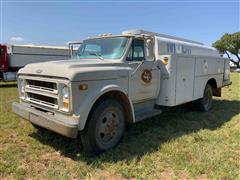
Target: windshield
102,48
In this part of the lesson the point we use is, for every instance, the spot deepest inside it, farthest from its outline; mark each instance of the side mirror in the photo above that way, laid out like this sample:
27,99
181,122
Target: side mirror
149,49
149,41
73,46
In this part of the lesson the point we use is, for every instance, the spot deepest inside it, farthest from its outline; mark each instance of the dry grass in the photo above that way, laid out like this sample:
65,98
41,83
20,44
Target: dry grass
179,144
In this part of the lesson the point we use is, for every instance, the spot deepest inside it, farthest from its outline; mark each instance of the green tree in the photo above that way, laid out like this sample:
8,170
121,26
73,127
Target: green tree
229,44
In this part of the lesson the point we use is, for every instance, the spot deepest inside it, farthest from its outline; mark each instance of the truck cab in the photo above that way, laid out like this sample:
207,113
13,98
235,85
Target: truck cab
114,80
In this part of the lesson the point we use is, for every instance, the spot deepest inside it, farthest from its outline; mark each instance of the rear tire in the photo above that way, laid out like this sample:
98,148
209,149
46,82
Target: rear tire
105,127
205,104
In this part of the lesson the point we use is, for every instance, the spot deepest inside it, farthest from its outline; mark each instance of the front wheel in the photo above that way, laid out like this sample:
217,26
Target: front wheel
105,127
205,103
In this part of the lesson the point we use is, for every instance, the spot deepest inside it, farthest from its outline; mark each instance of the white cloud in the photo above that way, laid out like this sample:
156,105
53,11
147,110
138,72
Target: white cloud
16,38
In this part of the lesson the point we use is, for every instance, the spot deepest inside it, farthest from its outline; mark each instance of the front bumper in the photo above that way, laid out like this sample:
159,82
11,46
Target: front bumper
45,120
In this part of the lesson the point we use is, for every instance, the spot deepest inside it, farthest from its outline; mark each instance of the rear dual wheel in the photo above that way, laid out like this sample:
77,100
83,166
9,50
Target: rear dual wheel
105,127
205,103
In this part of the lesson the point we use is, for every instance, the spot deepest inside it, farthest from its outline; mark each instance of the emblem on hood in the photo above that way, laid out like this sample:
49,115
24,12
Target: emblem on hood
39,71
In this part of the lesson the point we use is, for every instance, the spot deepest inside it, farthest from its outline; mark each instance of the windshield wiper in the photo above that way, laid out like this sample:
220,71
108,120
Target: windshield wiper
97,55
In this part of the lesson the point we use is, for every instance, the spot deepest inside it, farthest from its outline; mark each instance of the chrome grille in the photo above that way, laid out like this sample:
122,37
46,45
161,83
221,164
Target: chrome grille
42,84
42,93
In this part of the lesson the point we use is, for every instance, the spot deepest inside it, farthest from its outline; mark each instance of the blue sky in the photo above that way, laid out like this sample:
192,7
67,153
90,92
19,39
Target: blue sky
56,22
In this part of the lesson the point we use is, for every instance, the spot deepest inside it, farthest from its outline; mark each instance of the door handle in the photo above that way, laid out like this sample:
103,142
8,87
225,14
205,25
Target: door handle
155,68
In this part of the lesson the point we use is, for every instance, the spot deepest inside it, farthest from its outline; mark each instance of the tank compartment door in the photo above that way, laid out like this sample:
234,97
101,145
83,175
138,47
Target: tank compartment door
185,79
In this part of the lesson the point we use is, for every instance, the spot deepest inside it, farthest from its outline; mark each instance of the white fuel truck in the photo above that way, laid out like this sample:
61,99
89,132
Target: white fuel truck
119,79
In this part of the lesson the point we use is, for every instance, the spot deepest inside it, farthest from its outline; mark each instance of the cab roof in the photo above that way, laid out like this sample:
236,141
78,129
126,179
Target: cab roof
110,36
139,32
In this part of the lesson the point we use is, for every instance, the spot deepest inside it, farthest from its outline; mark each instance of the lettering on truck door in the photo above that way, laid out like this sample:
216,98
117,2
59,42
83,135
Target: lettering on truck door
144,77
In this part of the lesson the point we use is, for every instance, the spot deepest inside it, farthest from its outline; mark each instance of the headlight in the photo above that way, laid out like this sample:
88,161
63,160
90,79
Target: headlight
65,98
65,92
21,85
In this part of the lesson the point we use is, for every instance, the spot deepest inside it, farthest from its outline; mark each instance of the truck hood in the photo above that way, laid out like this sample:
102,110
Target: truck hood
77,70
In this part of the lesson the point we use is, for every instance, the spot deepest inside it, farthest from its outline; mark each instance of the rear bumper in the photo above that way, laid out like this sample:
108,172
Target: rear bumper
45,120
226,83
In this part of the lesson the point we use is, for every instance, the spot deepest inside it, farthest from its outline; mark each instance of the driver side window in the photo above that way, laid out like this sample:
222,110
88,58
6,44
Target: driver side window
136,52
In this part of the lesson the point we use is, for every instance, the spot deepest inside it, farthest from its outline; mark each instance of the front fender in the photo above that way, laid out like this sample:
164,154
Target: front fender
85,100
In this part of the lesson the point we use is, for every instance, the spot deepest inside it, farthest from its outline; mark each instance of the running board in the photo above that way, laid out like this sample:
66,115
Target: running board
139,116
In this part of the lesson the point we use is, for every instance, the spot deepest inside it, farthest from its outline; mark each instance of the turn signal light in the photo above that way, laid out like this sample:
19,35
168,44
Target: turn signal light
65,104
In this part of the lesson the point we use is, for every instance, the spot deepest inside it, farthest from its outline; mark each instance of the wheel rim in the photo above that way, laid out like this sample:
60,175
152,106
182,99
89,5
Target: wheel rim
109,127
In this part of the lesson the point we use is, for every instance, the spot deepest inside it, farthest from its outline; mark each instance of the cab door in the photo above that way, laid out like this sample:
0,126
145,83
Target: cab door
144,76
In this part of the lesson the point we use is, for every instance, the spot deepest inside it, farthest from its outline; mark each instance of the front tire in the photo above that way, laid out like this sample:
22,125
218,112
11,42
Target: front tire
105,127
205,103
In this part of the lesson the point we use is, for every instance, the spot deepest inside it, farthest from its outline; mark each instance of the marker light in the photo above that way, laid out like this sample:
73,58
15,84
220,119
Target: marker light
83,87
165,60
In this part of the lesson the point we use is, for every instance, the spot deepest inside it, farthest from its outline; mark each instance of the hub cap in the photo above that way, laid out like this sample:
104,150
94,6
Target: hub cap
108,128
